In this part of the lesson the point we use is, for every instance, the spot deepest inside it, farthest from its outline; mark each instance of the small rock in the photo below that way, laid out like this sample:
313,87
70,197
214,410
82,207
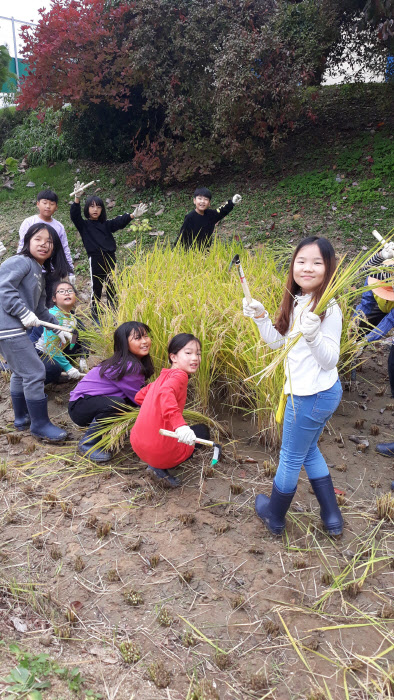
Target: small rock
31,184
112,181
46,640
70,161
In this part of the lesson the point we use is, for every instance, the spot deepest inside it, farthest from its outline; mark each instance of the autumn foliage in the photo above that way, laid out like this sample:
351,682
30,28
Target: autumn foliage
202,80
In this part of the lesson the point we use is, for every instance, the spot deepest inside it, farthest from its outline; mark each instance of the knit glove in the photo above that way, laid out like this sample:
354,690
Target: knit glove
64,336
30,320
2,248
73,373
237,199
71,278
186,435
83,365
310,326
255,308
139,211
78,189
387,251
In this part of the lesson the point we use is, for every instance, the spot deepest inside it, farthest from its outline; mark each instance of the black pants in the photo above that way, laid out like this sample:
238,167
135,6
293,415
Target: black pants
101,266
391,369
87,408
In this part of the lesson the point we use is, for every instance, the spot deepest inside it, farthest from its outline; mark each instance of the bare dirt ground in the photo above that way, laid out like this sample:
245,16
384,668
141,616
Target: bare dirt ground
93,557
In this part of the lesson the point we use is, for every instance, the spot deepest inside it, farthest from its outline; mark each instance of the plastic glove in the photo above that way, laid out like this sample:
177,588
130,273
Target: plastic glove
73,373
186,435
237,199
2,248
83,365
30,320
252,310
310,326
387,251
71,278
64,337
139,211
78,189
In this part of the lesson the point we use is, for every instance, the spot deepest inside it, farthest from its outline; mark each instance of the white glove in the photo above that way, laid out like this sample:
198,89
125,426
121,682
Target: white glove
310,326
255,308
30,320
78,189
186,435
237,199
139,211
83,365
387,251
73,373
2,248
71,278
65,337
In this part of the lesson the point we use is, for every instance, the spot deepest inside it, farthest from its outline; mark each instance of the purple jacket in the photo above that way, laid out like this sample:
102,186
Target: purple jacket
94,385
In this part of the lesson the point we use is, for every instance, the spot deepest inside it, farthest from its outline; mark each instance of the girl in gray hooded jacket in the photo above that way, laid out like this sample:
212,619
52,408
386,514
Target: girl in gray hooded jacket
22,306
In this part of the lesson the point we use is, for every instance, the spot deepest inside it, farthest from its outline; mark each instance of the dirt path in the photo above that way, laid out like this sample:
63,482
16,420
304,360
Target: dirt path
207,576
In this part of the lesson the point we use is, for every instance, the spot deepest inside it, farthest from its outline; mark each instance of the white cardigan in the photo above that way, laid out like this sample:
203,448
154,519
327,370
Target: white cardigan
309,367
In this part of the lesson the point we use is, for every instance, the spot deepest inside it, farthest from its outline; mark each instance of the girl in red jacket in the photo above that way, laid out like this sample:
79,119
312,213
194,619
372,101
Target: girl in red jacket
162,404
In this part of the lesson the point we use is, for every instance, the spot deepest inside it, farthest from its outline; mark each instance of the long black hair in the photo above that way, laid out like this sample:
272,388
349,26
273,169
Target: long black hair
119,363
292,288
57,265
93,199
178,342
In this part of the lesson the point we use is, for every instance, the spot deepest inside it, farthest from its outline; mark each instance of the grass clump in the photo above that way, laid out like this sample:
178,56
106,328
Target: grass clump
159,674
130,652
222,660
133,598
385,506
205,690
164,618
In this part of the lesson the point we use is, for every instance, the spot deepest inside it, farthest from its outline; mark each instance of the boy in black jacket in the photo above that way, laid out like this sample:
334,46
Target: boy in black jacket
97,236
198,226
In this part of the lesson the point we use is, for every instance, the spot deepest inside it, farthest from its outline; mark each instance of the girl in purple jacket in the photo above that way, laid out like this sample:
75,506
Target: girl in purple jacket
114,381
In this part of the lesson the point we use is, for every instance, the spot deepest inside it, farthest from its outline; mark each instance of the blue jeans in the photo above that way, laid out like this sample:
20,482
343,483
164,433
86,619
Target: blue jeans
302,427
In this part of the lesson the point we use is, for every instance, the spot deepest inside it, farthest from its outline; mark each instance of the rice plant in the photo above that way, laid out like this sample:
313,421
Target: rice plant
177,290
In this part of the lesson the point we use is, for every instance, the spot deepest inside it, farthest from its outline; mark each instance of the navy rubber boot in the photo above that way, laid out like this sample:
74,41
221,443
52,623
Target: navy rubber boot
22,418
164,477
41,426
272,511
88,440
386,449
329,510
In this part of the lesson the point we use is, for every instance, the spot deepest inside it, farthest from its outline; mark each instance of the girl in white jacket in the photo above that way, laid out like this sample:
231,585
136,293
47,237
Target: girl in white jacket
312,385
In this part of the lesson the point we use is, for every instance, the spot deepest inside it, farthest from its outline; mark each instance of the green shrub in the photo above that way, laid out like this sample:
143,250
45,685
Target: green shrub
39,137
9,119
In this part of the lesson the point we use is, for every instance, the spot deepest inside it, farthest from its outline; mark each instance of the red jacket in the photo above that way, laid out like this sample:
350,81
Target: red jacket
162,404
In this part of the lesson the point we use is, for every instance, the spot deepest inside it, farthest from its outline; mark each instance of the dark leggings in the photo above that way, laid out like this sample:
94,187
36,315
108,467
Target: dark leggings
201,431
85,409
391,369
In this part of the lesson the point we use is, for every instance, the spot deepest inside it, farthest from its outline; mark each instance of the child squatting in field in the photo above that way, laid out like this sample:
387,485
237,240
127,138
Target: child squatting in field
97,237
114,381
312,384
56,358
162,403
22,306
198,226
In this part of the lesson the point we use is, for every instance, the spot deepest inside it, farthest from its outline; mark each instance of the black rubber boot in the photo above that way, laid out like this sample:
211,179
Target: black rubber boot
22,418
88,441
386,449
272,511
329,510
41,426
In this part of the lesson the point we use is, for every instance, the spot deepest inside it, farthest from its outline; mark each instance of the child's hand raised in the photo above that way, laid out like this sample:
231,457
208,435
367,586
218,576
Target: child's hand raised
237,199
2,248
139,211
